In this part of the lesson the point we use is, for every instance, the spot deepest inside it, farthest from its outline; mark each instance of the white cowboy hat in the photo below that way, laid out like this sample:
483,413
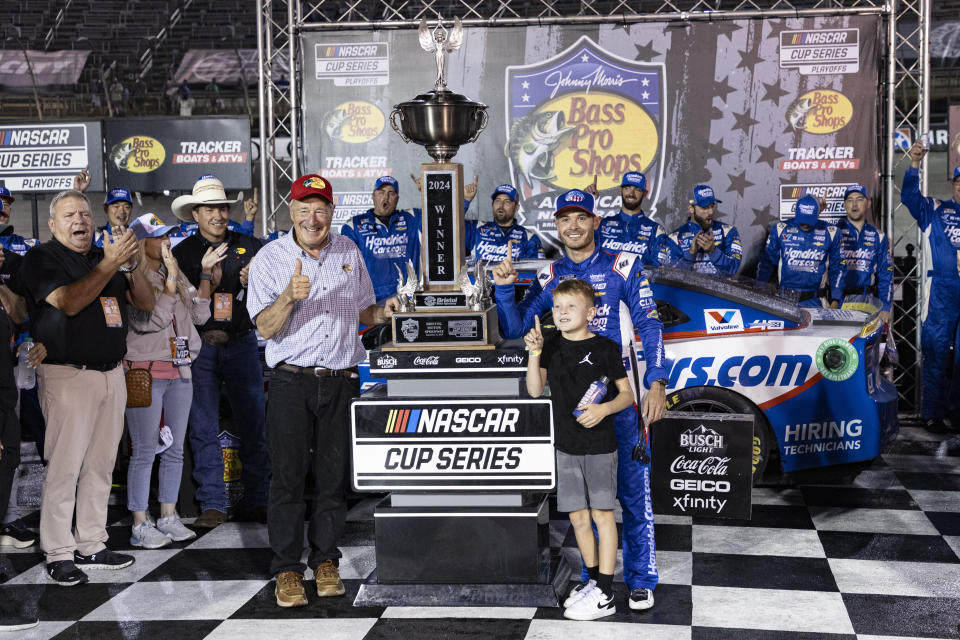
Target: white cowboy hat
207,190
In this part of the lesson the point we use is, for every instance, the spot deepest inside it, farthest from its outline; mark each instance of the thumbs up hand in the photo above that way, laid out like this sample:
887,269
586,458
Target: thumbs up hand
299,287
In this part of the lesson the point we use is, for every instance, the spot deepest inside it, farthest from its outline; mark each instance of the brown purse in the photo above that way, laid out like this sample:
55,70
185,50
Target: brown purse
139,386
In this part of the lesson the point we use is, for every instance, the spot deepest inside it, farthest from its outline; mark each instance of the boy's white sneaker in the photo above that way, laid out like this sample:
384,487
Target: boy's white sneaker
591,605
577,592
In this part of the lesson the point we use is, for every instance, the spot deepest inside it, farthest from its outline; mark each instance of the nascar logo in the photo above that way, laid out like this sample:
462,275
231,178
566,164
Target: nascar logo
479,420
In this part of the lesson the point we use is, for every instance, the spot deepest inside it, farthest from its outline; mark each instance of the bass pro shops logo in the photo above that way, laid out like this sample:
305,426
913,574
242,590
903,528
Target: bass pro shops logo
138,154
581,113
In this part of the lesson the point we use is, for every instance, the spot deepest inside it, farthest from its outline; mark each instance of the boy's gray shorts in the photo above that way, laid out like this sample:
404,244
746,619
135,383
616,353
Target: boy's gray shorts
586,482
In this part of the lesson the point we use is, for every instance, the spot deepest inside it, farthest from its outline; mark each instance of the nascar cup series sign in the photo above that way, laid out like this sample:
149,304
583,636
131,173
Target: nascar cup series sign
452,445
702,465
39,158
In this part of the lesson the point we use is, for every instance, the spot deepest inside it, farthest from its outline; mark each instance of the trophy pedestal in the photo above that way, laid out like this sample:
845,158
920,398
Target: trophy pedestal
444,329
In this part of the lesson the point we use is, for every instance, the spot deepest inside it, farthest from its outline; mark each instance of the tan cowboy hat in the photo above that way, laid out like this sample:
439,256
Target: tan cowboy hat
207,190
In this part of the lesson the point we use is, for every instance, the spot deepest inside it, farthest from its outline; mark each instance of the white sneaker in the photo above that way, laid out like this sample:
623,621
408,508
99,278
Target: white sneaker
593,604
172,527
148,536
577,592
640,599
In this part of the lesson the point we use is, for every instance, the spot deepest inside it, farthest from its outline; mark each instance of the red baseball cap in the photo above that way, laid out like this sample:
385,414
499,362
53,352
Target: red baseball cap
311,185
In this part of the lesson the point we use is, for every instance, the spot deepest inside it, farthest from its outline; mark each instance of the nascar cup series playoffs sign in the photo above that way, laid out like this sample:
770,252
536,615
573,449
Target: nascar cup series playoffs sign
702,465
39,158
452,445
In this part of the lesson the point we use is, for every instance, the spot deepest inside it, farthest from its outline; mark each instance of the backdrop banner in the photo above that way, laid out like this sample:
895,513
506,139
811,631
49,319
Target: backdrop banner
764,111
153,154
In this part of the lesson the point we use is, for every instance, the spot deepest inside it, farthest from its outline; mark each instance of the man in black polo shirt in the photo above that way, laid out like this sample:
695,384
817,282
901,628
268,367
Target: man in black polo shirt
228,355
77,297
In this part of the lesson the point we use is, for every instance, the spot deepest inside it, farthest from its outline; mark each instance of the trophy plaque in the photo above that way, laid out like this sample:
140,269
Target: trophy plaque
442,314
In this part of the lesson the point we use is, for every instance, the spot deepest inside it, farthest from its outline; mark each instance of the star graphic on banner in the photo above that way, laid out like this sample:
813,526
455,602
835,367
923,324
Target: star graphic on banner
646,52
716,114
749,59
716,151
525,98
623,24
773,92
524,85
744,121
645,82
725,28
584,58
739,182
645,95
768,154
721,89
762,216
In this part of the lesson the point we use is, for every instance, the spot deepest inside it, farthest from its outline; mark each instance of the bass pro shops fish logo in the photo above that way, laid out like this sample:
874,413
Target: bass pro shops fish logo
581,113
138,154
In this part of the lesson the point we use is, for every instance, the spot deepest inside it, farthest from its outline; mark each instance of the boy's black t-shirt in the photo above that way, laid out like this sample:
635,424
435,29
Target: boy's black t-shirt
572,366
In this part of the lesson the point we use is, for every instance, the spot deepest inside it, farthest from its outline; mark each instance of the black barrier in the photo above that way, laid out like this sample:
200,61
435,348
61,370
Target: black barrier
154,154
702,465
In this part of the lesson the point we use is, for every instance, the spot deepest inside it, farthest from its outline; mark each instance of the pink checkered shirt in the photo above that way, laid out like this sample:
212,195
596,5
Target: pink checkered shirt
321,331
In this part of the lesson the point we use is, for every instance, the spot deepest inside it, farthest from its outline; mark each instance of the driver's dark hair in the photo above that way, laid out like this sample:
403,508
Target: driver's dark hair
576,288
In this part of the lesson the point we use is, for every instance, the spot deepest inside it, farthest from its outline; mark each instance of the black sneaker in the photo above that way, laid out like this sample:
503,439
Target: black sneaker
10,621
935,425
640,599
65,573
104,559
13,535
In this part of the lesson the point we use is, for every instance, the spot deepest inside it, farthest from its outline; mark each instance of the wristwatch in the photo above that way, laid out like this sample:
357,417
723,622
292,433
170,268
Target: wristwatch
662,381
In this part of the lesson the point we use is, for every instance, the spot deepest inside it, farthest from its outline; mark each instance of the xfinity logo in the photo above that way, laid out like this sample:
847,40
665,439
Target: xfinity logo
429,361
701,440
514,359
386,362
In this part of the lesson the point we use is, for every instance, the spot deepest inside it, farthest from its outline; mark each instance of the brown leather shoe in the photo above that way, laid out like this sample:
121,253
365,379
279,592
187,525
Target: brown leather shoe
289,591
210,518
328,580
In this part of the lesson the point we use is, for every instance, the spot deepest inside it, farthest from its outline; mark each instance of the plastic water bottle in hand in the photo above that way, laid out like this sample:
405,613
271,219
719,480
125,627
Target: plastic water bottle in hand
595,393
25,374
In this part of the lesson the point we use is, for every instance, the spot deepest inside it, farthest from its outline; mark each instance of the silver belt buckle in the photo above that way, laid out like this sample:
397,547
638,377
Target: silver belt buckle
318,371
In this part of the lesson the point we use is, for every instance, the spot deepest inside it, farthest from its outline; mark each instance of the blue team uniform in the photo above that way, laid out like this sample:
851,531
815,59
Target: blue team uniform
625,290
488,241
803,257
636,233
869,267
384,248
939,223
17,243
724,260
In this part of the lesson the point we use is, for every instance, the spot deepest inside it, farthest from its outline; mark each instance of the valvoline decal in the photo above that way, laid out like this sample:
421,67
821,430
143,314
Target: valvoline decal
698,306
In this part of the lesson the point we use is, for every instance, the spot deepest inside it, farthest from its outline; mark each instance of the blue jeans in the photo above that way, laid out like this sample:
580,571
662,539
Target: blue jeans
237,364
173,399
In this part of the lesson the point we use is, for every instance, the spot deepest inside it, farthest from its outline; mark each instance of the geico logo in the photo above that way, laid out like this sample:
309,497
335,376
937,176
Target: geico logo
822,430
495,420
689,484
783,371
453,458
467,360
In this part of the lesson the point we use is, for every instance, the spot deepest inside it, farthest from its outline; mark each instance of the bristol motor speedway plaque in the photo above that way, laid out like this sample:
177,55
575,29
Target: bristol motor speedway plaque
503,444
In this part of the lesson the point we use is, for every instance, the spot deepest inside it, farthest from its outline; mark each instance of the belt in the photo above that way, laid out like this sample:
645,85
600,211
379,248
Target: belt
319,372
110,366
868,290
804,295
213,337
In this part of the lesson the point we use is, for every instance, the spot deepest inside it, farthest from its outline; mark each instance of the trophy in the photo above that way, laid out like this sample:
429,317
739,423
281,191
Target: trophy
441,315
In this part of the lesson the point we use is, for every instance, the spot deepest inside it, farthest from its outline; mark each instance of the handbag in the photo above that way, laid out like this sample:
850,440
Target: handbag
139,387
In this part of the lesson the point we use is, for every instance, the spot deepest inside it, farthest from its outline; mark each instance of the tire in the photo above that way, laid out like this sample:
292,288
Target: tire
717,400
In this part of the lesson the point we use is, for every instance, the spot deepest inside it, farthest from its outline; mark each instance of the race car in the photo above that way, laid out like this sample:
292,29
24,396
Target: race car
810,377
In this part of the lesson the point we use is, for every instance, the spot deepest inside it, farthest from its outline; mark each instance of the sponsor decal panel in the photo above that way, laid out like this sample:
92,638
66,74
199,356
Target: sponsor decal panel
355,167
45,157
820,111
349,204
819,159
210,152
354,122
821,51
837,359
831,192
138,154
353,64
807,438
722,320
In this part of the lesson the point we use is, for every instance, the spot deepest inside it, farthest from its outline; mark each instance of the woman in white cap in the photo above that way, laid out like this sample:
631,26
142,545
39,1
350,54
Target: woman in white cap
164,342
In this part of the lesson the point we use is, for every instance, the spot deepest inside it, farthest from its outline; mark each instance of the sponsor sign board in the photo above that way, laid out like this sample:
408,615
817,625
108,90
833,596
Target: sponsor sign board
820,51
353,64
447,361
41,157
452,445
831,192
153,154
45,68
702,465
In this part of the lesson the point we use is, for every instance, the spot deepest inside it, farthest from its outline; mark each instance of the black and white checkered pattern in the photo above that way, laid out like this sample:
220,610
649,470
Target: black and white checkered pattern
879,558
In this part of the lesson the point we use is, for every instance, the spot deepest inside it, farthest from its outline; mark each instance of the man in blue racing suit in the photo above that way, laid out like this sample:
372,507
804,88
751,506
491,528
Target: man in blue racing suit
866,251
8,239
631,229
489,240
620,279
806,250
703,244
940,225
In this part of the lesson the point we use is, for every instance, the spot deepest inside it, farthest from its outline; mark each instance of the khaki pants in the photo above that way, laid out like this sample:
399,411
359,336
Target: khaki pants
84,414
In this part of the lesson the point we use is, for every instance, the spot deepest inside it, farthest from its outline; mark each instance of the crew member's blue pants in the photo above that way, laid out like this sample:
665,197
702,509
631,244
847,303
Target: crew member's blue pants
939,334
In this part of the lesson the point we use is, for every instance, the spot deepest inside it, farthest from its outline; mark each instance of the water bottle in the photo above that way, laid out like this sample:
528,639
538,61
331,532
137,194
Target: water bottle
595,392
25,374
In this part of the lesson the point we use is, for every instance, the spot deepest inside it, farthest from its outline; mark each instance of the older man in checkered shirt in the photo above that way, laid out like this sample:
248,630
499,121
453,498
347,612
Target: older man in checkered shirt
307,292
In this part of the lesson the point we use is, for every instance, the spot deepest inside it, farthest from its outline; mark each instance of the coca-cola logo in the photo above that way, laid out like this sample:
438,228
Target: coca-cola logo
709,466
428,361
386,362
510,359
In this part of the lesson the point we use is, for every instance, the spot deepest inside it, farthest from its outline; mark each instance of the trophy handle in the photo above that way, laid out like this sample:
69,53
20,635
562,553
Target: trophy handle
396,127
480,114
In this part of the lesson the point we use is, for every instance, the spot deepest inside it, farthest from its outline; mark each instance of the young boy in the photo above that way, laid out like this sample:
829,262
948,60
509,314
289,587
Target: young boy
586,445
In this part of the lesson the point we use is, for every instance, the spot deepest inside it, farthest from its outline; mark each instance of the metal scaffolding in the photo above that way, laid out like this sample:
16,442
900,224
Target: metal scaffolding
905,100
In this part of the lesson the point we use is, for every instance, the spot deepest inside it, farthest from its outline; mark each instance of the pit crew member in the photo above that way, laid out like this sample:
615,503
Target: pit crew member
489,240
631,229
866,251
702,243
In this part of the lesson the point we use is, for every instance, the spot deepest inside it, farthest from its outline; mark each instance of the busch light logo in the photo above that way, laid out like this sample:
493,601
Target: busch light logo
701,440
428,361
386,362
409,328
580,113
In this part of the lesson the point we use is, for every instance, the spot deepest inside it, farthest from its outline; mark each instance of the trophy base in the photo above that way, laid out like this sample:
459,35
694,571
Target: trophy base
432,301
444,329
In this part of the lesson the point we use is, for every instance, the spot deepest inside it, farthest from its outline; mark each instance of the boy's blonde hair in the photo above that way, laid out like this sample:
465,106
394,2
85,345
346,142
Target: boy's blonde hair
576,288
